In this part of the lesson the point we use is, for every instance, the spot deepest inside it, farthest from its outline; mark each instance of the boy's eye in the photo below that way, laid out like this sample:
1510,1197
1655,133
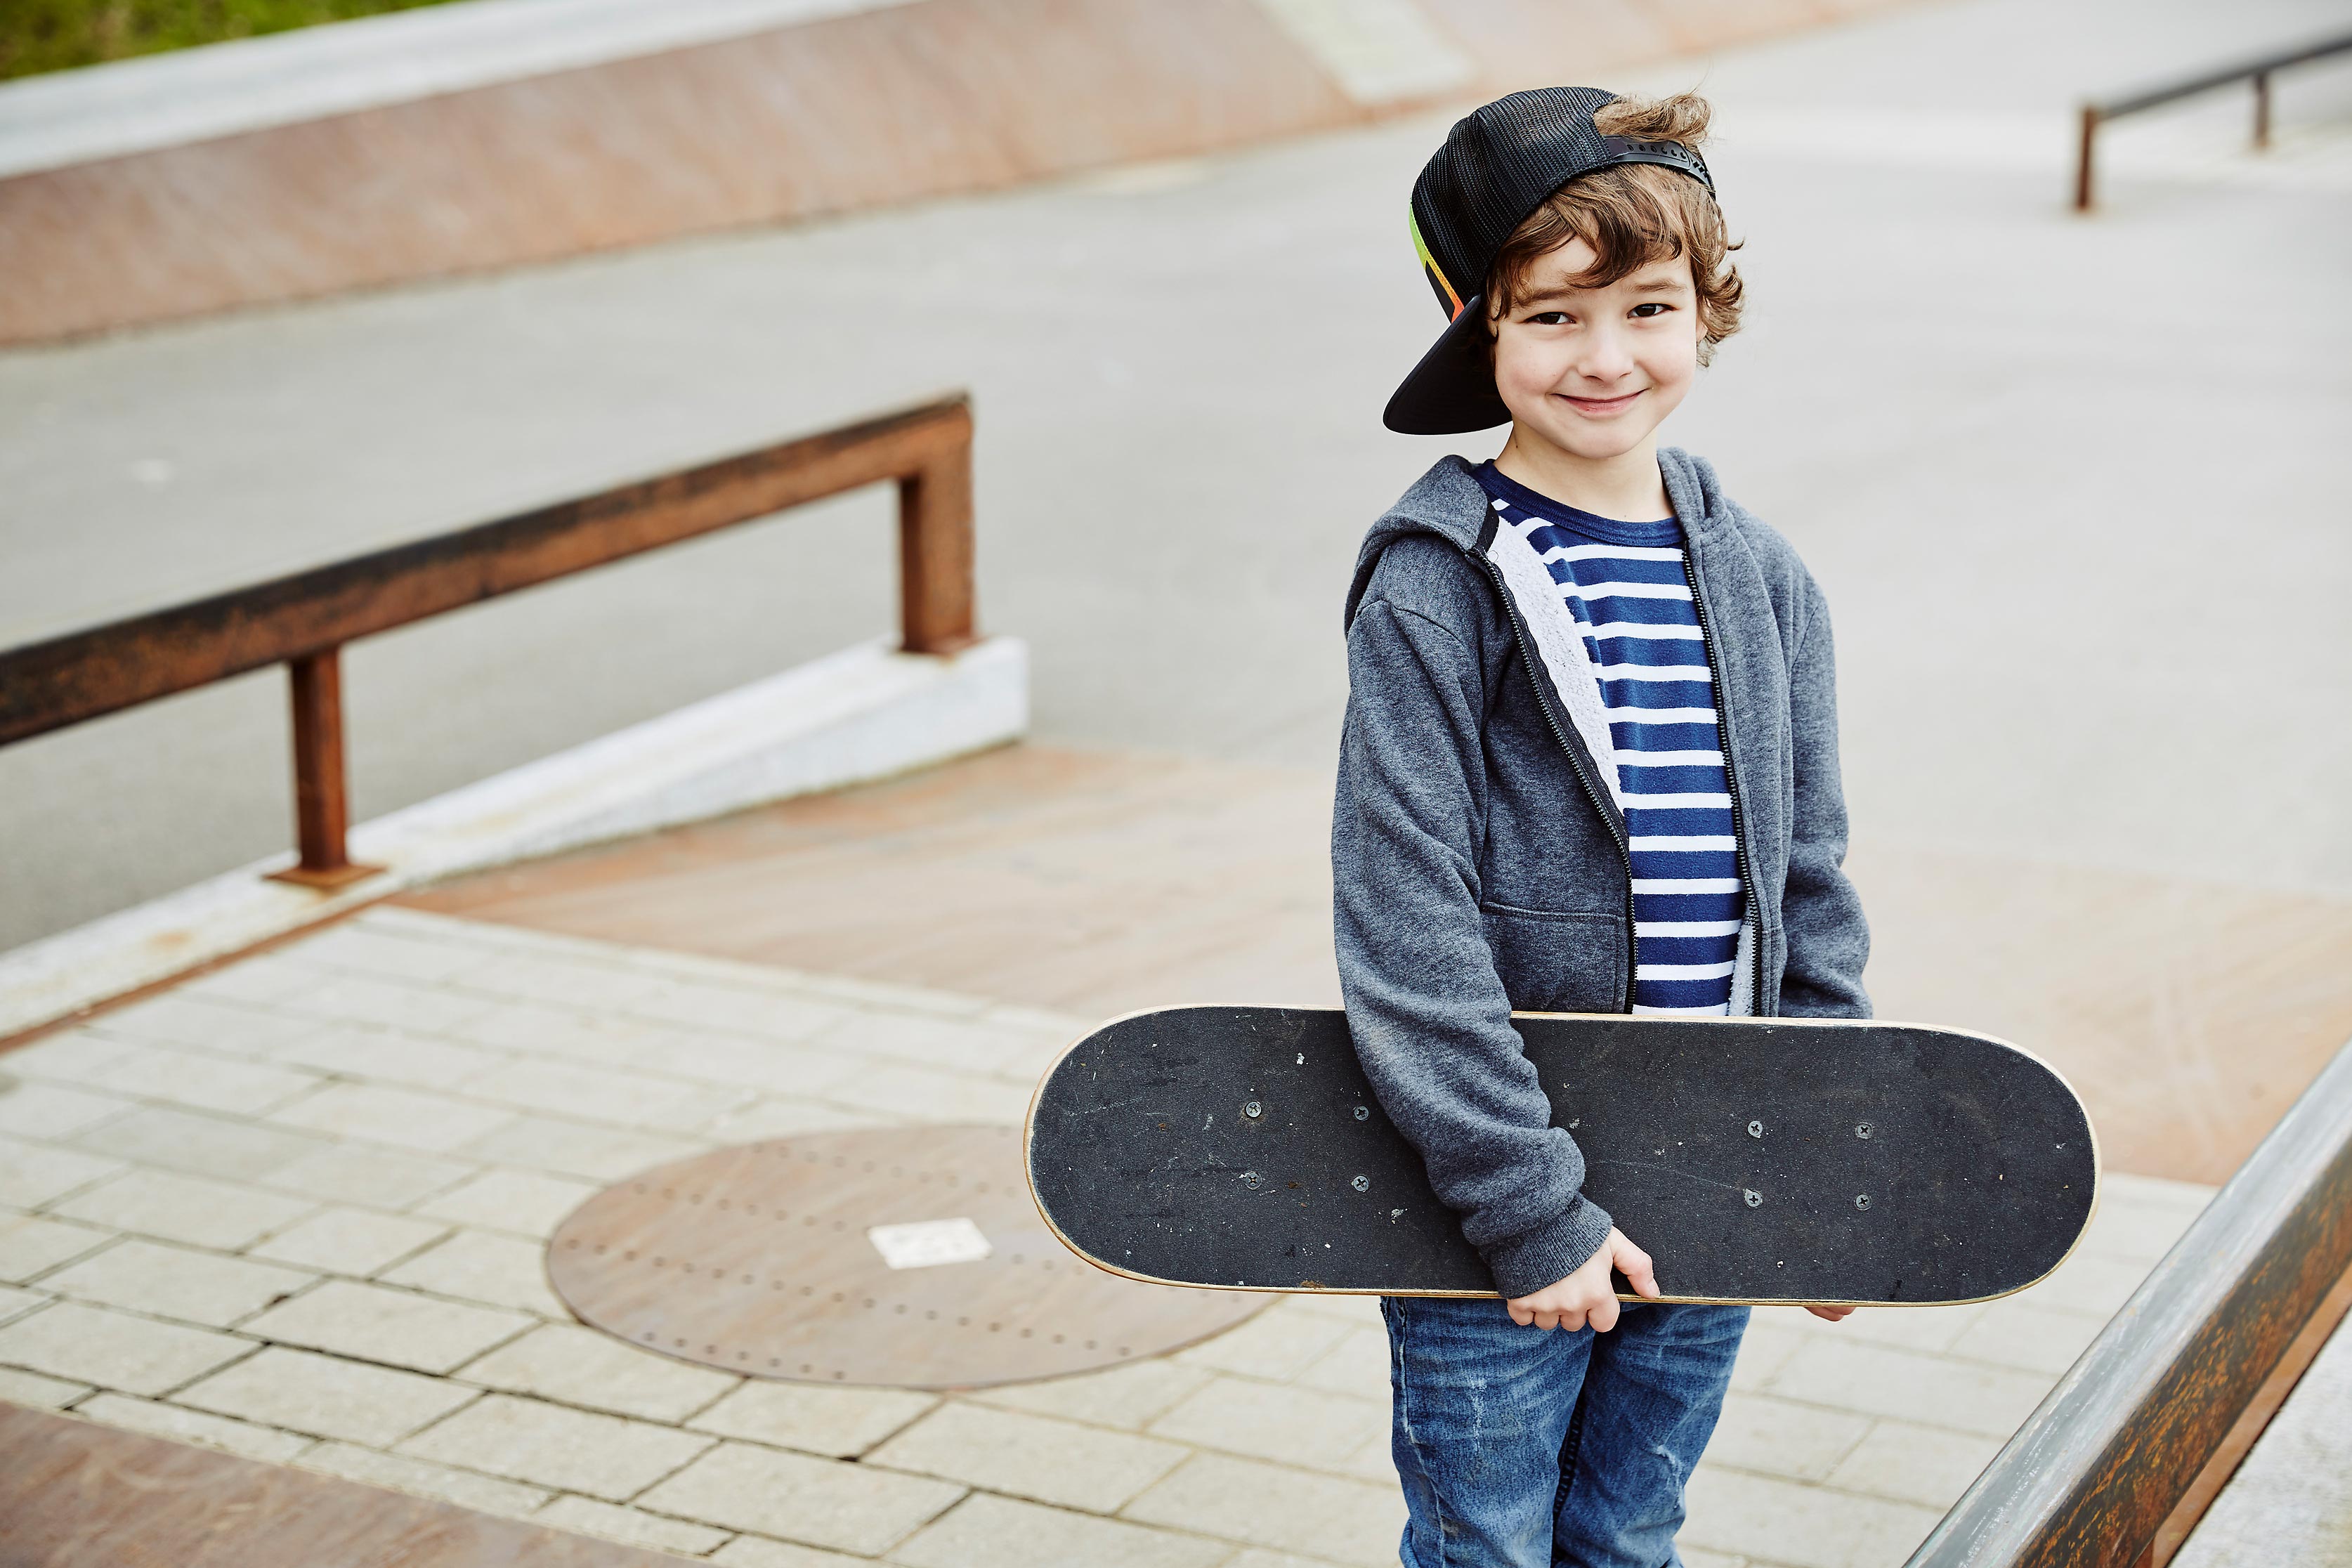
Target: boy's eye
1652,307
1548,317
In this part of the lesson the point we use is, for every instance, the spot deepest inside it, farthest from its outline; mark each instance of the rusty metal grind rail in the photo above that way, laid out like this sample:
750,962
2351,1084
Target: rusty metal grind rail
303,620
2258,72
2098,1469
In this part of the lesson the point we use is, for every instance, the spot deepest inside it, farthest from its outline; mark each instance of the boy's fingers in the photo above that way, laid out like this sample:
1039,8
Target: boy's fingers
1603,1316
1520,1315
1634,1263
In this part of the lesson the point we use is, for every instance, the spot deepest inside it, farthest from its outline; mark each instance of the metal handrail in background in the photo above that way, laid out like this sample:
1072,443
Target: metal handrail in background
302,620
2100,1464
2260,70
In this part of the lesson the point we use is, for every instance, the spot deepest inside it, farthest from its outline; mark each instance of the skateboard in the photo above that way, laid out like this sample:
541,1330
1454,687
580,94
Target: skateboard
1756,1160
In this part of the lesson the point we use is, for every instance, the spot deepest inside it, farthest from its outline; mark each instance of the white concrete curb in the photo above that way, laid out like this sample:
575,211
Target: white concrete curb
863,713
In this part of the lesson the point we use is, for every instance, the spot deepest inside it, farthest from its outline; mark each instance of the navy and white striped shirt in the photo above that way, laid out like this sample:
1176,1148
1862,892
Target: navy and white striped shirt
1624,584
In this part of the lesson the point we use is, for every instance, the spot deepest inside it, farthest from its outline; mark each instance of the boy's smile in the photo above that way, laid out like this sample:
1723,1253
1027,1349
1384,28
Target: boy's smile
1598,407
1589,373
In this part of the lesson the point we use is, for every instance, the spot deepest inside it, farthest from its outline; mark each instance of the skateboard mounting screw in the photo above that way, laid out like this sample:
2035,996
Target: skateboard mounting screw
1363,1113
1755,1199
1253,1109
1756,1130
1862,1200
1362,1184
1861,1129
1250,1179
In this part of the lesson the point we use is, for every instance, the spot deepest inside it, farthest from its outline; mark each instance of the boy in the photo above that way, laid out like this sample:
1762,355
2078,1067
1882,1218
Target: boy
1589,765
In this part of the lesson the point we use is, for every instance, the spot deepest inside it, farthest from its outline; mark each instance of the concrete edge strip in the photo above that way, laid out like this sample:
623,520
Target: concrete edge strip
864,713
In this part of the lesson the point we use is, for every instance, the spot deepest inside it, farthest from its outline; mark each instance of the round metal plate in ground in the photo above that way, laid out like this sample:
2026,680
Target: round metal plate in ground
766,1260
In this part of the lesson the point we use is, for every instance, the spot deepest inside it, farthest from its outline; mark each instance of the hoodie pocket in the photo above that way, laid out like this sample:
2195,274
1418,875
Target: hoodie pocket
1556,963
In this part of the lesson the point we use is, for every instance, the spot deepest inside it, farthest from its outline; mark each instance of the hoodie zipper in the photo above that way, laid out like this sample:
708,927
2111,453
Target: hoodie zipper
1730,786
1576,762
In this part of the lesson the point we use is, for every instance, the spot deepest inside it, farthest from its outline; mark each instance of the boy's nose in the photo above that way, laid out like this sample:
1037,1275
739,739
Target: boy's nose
1606,357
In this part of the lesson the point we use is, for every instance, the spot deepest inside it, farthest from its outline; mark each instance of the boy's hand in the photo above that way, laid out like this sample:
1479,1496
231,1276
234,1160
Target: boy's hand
1832,1314
1586,1296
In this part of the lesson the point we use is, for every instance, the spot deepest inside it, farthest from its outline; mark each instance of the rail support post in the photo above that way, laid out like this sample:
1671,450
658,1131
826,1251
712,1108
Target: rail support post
935,554
321,800
2262,108
2090,138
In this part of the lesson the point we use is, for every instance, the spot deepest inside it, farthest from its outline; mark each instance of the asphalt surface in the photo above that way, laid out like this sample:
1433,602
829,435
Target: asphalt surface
2074,487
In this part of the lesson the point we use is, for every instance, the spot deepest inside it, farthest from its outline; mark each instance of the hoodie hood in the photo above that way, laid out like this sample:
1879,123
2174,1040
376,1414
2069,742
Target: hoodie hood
1449,501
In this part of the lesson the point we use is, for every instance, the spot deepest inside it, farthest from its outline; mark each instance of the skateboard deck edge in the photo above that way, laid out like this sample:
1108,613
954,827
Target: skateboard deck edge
1029,1168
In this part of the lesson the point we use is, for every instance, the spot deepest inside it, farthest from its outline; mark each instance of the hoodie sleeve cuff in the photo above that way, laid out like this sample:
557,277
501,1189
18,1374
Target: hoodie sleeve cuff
1527,1263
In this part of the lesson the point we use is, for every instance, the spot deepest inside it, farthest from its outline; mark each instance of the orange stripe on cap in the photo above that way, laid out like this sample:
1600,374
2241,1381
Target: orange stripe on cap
1450,297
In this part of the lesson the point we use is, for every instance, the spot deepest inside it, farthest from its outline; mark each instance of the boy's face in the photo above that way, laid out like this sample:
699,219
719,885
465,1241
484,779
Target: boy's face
1593,370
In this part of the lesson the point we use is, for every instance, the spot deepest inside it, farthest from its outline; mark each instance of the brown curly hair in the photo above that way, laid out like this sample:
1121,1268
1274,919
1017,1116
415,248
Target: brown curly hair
1632,214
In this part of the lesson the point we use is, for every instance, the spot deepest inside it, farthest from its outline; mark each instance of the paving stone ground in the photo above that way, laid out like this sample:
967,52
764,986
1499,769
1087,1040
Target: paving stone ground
294,1209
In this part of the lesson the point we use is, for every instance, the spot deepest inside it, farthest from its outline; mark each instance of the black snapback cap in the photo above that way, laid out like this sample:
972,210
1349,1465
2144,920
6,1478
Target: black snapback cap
1498,164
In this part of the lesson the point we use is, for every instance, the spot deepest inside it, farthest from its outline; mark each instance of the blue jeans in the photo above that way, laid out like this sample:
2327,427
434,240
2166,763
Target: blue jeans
1519,1449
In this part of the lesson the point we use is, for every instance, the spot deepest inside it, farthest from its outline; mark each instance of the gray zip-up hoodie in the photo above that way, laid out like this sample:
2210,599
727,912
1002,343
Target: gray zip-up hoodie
1477,851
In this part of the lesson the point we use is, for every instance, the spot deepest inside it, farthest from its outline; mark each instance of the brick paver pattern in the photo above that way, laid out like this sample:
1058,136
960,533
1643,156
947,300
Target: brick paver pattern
295,1208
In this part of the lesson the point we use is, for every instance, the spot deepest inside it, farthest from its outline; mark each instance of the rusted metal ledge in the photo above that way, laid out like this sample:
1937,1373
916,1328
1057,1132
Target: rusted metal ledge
2259,71
2248,1429
2094,1471
49,685
303,620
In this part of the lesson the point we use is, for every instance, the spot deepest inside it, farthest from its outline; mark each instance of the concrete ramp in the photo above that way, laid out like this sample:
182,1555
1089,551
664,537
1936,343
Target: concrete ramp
498,133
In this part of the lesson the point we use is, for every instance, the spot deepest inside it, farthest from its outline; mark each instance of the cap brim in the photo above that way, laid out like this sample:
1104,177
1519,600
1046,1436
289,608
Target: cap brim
1452,390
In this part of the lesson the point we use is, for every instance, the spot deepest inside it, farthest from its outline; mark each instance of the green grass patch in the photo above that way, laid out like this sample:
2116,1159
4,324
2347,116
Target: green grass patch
39,36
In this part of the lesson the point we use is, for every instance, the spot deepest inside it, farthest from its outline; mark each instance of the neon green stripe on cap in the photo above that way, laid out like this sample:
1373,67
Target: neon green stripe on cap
1450,296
